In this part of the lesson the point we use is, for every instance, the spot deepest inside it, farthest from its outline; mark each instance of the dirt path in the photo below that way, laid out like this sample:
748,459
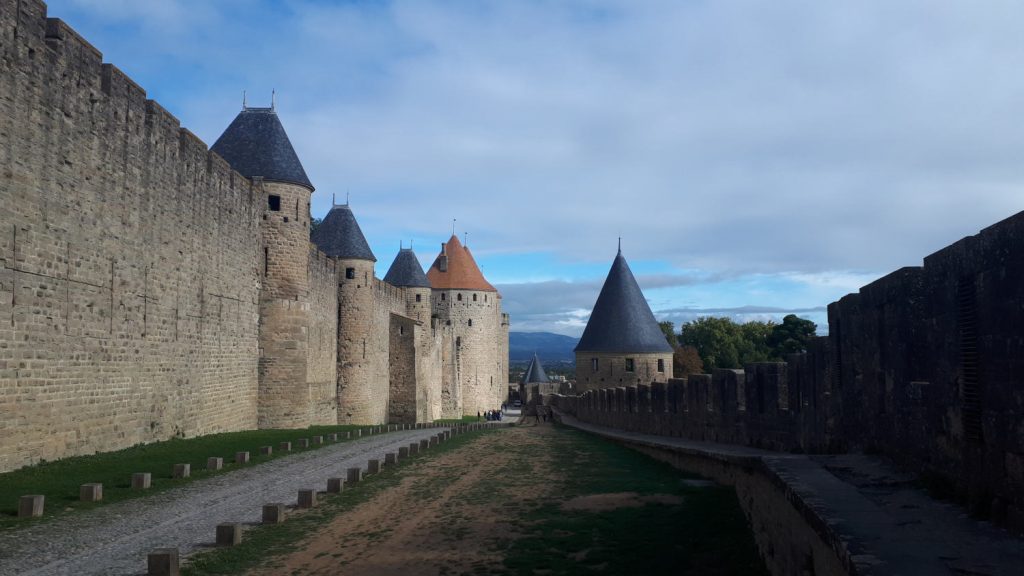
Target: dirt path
450,516
115,539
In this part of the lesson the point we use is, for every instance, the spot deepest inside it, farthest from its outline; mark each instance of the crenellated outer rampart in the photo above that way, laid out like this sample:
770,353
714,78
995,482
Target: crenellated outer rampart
922,366
128,259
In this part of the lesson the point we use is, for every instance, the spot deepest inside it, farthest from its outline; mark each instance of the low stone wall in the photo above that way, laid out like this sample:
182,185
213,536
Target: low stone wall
793,537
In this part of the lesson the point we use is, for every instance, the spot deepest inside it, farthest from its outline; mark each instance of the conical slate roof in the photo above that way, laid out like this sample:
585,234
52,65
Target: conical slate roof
462,272
535,373
406,271
339,235
255,144
622,322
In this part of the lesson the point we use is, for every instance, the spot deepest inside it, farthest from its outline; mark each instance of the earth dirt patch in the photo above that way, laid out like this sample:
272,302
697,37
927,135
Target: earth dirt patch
444,519
613,501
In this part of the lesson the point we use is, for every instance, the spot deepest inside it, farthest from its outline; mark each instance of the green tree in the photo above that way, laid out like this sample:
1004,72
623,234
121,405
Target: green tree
716,340
753,344
791,336
670,333
686,361
314,224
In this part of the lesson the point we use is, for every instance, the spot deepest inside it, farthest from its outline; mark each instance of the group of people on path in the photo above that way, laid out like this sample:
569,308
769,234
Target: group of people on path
491,415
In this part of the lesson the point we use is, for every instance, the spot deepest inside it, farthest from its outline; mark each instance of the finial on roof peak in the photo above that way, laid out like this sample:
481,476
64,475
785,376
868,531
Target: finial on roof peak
453,226
620,244
273,99
245,104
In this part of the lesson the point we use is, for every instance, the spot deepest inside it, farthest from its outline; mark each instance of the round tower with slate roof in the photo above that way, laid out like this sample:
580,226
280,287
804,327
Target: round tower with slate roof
406,272
475,372
362,397
256,145
622,344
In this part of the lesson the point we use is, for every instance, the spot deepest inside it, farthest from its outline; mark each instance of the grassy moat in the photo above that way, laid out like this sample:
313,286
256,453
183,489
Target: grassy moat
524,501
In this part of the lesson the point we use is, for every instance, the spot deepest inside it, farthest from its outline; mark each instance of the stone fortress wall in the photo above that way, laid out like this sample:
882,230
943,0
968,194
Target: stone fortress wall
129,259
480,333
612,369
923,366
148,291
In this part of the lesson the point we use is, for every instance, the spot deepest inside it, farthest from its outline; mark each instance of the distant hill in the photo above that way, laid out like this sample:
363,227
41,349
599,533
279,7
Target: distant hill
549,347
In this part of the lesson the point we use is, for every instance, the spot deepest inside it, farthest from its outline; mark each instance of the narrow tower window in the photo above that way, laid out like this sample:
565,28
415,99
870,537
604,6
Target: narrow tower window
474,297
266,261
470,321
629,365
442,296
350,273
593,364
661,365
417,297
459,296
274,203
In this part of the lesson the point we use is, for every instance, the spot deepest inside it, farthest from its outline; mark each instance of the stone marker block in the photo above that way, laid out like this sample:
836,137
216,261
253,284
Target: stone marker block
370,431
348,435
424,444
307,498
373,466
141,480
31,506
390,459
318,440
266,450
241,457
214,463
285,446
432,441
182,471
332,437
90,492
359,433
273,513
414,448
403,452
354,475
335,485
163,562
304,443
229,534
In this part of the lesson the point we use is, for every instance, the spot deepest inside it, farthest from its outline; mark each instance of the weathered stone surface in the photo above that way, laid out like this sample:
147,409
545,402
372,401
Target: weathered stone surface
163,562
31,506
182,470
266,450
335,485
229,534
241,457
354,475
285,446
390,458
91,492
307,498
214,463
274,513
373,466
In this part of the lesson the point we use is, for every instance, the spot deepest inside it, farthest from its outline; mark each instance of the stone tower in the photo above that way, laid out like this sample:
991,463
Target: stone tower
256,145
476,364
622,344
406,272
359,392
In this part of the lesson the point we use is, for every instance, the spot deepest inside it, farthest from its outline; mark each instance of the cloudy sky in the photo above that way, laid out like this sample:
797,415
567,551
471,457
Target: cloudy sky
756,157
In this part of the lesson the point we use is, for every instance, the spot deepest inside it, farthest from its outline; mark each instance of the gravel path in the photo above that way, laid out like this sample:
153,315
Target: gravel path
115,539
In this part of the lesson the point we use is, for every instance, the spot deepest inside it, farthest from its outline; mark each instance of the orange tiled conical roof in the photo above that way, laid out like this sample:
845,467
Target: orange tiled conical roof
462,271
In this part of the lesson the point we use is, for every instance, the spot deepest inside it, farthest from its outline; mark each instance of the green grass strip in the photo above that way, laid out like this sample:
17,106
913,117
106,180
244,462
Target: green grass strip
59,481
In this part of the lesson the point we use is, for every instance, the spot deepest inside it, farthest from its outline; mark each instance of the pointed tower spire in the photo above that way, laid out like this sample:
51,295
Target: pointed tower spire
406,271
622,321
339,235
256,144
